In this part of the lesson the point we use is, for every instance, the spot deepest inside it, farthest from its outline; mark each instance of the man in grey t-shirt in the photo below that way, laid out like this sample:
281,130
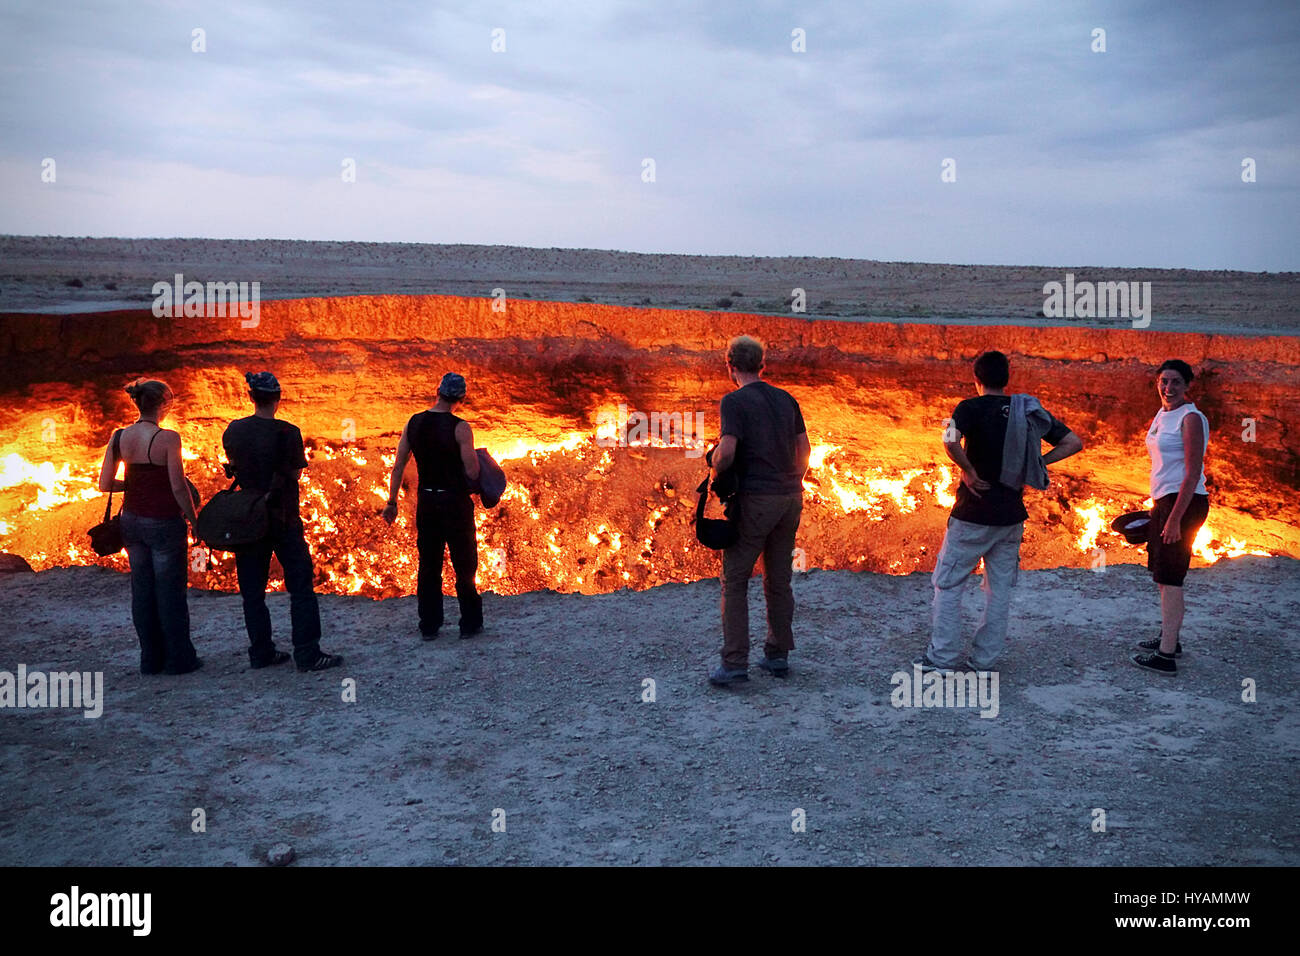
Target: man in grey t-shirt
765,443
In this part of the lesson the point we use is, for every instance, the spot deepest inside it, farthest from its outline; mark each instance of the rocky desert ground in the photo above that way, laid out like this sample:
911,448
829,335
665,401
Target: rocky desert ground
544,722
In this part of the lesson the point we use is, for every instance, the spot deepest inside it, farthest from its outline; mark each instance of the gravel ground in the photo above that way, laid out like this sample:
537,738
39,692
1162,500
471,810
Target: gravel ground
542,717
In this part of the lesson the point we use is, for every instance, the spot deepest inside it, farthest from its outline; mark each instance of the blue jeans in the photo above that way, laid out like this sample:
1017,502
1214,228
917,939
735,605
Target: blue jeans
253,565
157,548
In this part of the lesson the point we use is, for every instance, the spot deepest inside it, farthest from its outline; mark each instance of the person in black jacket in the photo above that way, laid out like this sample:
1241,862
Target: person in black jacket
443,445
266,455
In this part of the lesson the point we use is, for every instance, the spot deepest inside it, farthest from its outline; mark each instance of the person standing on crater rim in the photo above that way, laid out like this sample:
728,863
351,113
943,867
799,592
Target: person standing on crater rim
1003,453
157,504
1176,441
266,454
443,445
764,442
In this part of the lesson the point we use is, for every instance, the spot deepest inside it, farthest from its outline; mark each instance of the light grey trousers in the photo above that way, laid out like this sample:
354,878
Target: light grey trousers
964,544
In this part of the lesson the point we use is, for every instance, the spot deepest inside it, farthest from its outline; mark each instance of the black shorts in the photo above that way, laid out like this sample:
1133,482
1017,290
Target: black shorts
1168,563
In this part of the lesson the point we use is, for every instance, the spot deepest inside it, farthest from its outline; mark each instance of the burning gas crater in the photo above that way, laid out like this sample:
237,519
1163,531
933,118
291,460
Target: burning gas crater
586,511
544,533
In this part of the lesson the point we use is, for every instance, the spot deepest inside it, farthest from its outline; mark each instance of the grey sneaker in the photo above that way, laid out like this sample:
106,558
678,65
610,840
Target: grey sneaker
929,666
722,676
776,666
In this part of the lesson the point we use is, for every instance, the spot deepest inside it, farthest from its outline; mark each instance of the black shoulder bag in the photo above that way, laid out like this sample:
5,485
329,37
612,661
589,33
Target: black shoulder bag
716,533
721,533
106,537
236,518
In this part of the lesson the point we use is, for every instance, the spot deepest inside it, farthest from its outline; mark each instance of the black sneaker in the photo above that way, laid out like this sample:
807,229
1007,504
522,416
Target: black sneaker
470,632
428,634
279,657
1154,645
1156,662
322,662
776,666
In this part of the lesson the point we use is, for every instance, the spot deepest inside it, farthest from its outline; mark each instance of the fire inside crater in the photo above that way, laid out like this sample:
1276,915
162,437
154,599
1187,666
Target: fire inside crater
595,505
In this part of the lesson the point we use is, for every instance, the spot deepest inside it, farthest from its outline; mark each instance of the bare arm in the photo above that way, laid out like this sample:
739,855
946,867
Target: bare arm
171,442
802,452
395,479
465,438
1193,432
108,471
973,482
1071,444
957,455
724,455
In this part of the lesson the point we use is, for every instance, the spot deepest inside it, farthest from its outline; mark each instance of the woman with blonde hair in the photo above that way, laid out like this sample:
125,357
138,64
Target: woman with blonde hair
156,504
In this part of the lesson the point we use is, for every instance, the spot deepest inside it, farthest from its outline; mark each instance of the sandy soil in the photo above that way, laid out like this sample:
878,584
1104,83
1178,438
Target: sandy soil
36,272
542,717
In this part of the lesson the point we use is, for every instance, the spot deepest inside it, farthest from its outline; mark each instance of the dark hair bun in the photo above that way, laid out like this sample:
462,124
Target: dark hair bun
148,395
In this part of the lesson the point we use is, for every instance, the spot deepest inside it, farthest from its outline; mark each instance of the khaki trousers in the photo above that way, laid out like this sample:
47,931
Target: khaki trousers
767,527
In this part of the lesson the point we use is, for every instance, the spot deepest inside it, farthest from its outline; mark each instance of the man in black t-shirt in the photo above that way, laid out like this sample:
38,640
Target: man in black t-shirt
766,445
1002,443
267,455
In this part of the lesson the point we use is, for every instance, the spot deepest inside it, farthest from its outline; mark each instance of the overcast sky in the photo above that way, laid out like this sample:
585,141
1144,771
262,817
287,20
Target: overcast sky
1063,156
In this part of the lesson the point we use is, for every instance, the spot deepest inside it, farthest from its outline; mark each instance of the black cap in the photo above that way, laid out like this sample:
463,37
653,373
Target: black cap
452,387
262,381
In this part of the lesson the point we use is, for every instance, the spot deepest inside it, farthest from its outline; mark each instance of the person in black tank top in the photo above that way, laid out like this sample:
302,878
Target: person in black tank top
437,453
443,446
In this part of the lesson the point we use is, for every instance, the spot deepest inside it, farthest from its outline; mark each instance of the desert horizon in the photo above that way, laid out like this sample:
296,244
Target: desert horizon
38,271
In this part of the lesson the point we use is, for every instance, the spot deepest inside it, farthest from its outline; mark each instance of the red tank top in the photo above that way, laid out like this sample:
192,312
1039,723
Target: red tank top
149,490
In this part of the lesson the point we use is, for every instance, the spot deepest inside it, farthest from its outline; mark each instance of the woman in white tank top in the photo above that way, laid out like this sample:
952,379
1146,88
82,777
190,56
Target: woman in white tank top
1176,441
1165,441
